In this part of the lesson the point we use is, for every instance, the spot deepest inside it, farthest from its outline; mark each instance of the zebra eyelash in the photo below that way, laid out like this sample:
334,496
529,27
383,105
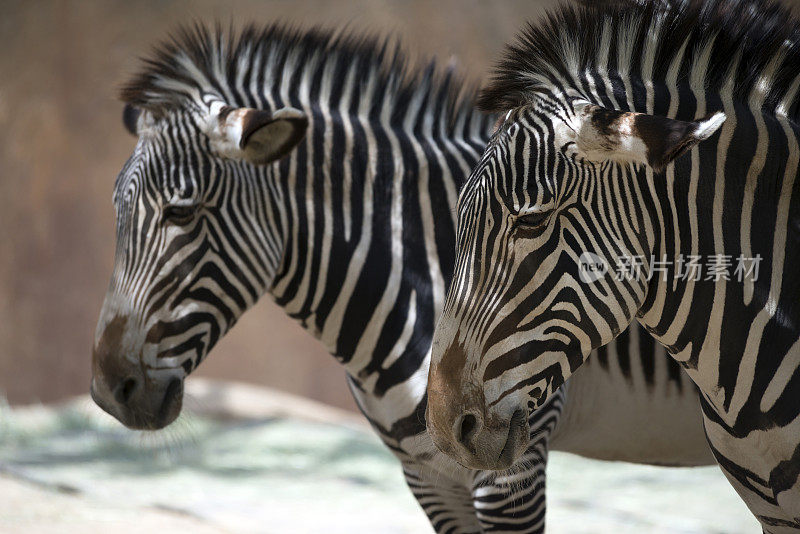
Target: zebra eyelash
532,221
180,214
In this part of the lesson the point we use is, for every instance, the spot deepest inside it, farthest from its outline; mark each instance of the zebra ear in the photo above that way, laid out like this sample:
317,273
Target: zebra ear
606,134
257,136
130,118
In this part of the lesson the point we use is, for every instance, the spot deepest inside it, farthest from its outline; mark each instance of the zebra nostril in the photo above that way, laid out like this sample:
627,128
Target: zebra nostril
466,429
125,390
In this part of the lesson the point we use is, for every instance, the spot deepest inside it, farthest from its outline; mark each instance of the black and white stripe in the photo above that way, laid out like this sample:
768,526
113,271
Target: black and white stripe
586,161
352,233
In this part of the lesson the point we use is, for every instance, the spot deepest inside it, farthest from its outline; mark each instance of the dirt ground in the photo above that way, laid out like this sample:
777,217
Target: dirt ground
250,460
28,507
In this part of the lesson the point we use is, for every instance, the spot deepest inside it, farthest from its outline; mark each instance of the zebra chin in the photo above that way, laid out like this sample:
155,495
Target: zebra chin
476,436
140,396
152,408
463,425
494,446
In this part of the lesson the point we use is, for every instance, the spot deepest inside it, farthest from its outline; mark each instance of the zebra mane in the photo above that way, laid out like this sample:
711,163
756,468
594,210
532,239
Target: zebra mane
757,42
197,60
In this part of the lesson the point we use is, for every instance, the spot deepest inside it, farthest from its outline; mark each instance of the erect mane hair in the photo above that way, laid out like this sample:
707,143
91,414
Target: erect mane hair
746,38
197,59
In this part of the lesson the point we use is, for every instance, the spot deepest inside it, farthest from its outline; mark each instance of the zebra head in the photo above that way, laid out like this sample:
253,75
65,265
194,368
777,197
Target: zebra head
194,249
561,182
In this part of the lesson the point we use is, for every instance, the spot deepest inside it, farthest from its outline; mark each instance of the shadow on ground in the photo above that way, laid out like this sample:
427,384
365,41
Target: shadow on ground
271,469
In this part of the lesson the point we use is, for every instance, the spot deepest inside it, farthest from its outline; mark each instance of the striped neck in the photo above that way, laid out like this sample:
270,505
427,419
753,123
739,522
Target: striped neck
367,226
723,225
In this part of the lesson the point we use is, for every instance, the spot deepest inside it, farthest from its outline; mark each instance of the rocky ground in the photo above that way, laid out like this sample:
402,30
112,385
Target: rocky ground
242,461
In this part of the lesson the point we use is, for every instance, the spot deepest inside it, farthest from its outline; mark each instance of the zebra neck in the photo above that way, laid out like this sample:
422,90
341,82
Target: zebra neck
368,240
733,205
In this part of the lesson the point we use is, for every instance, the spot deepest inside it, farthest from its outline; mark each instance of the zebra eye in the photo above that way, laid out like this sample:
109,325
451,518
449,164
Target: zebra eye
179,215
532,220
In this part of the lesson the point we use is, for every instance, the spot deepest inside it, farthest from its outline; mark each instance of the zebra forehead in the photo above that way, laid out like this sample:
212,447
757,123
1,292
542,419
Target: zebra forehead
166,154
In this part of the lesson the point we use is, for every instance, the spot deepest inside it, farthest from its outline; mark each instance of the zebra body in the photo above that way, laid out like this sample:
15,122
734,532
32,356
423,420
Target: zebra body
662,131
351,232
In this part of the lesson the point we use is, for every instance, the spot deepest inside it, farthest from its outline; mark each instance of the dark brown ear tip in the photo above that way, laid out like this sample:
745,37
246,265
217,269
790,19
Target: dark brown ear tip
130,118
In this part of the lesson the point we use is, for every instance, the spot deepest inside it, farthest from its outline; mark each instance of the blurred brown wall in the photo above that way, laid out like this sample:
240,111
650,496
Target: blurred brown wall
62,144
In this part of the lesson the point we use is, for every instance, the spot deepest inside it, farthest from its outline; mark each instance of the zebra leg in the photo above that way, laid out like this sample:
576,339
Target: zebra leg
447,503
514,501
750,465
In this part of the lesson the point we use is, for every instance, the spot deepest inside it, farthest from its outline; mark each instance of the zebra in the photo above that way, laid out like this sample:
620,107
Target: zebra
315,167
635,139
